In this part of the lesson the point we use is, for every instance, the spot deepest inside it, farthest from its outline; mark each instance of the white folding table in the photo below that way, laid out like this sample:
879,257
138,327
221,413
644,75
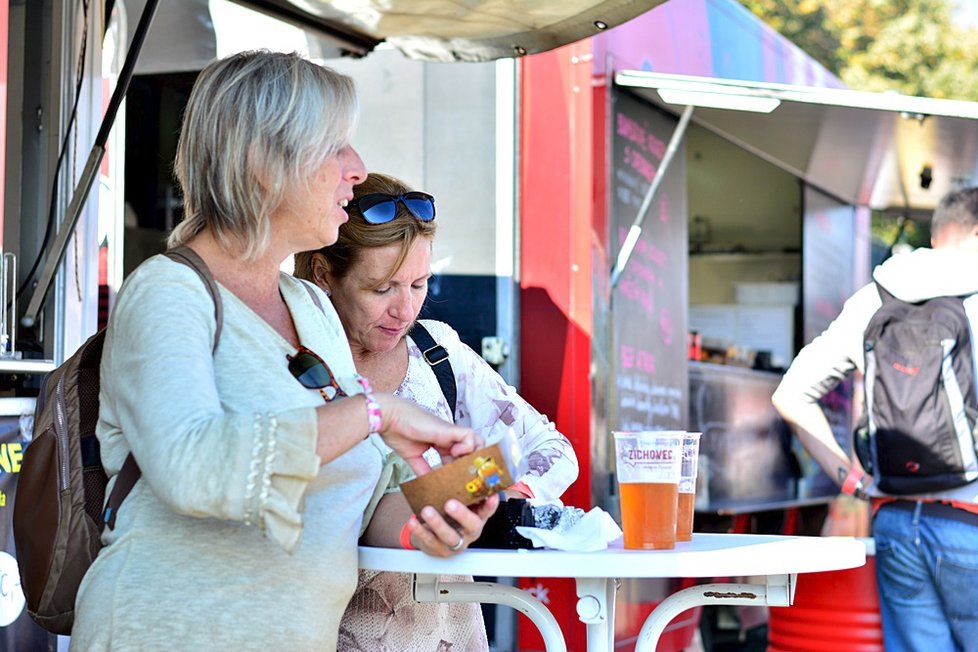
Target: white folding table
778,559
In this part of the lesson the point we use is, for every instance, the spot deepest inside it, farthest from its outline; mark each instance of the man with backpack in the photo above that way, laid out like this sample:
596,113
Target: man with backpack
910,332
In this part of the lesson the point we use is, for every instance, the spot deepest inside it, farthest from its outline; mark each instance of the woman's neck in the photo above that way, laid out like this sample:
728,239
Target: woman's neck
254,282
231,268
386,370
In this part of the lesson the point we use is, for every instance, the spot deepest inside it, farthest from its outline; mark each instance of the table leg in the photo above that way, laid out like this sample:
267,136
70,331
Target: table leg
428,588
596,609
778,591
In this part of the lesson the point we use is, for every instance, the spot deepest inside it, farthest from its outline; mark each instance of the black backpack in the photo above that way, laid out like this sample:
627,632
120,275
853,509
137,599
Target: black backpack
58,511
918,433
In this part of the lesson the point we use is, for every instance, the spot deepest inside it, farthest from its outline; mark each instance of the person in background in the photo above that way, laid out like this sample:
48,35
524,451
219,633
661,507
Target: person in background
927,544
258,457
377,277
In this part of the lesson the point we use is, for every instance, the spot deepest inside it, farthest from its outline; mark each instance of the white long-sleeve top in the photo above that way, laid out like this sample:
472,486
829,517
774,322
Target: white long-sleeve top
383,614
485,400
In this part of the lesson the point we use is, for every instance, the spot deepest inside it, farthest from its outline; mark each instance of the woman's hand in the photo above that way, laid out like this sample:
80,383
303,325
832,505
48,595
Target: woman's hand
438,538
410,431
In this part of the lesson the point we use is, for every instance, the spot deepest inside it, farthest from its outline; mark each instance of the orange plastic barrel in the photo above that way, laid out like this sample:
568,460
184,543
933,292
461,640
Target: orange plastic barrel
832,611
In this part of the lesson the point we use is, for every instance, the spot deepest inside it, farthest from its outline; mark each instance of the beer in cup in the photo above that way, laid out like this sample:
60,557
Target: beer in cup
648,466
687,486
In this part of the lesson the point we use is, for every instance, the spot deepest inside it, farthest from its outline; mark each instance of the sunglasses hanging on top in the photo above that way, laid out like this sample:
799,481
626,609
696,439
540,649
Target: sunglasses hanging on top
381,208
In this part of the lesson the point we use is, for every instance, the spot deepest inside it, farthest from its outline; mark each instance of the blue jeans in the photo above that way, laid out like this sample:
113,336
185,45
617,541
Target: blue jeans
927,576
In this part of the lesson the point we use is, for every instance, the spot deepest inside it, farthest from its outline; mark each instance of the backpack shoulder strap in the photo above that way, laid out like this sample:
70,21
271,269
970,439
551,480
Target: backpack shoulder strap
130,472
128,476
437,356
189,257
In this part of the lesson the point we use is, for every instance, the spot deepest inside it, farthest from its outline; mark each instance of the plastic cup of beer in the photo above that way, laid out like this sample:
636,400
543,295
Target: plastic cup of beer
687,486
648,466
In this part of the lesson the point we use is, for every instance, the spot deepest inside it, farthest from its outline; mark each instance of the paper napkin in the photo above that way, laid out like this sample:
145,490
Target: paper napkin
593,531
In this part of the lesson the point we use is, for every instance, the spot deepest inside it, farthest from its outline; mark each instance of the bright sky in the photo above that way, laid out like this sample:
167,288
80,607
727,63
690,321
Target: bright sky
967,11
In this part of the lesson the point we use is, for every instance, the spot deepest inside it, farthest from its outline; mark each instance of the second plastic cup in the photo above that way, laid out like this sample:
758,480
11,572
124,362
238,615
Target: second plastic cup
687,486
648,466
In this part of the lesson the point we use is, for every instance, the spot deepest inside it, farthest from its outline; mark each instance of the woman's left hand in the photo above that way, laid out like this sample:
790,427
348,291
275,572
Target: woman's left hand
437,537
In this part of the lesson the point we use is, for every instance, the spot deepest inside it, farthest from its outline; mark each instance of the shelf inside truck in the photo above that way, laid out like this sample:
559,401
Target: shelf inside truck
25,366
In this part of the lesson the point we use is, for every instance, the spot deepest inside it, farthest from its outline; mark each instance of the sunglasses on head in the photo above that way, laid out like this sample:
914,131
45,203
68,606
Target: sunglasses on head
381,208
312,372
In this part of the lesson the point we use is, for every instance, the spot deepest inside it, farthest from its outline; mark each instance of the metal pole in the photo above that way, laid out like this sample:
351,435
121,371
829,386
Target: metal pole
636,230
57,251
9,321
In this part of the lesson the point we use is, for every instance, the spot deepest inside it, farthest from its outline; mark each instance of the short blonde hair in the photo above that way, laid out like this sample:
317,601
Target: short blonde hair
358,234
256,126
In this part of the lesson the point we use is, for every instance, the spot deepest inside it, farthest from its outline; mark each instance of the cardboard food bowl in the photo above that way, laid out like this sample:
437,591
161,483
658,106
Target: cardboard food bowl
469,480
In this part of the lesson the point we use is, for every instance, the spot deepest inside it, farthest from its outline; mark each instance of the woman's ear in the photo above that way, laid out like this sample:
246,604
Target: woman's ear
320,272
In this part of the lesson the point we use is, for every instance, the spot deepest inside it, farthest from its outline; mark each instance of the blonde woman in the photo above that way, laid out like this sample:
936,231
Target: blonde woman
258,459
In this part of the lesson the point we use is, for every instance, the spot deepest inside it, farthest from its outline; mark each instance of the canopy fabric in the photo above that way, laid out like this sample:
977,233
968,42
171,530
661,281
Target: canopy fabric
450,30
881,150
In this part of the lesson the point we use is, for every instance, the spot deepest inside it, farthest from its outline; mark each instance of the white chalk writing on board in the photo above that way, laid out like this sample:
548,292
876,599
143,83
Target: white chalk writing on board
649,301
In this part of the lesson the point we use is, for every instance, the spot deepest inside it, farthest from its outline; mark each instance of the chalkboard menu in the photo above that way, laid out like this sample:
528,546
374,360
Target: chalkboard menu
828,255
648,306
828,252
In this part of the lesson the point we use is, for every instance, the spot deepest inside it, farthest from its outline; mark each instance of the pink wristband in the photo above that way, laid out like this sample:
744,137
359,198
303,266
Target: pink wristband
523,489
374,420
854,483
406,535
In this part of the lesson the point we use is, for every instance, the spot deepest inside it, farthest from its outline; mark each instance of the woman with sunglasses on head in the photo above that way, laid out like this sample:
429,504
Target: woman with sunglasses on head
377,277
259,456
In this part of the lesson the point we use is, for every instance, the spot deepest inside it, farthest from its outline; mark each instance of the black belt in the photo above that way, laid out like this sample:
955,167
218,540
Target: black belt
940,510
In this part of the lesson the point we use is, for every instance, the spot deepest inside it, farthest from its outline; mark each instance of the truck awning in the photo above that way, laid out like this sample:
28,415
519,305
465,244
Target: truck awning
475,30
882,150
433,30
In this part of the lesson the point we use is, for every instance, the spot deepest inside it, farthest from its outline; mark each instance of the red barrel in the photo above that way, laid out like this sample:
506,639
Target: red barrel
832,611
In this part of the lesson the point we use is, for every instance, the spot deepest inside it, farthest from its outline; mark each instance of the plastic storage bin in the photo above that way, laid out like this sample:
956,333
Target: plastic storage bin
767,293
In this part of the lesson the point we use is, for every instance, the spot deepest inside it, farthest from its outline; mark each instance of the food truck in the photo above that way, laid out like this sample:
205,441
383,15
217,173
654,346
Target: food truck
638,228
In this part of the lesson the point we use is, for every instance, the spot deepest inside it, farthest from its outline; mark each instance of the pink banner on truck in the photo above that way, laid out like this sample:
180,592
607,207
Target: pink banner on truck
708,38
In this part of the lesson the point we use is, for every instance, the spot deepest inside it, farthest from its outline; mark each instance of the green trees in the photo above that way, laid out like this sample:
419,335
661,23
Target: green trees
913,47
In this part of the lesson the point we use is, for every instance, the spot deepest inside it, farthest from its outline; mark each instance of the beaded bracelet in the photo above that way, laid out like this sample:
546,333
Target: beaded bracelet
374,420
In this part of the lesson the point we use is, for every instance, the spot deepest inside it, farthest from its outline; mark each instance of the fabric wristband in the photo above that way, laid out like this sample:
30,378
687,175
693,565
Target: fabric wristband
374,420
523,489
406,535
854,483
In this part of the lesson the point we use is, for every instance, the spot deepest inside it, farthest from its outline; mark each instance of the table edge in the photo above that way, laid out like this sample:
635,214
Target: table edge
687,560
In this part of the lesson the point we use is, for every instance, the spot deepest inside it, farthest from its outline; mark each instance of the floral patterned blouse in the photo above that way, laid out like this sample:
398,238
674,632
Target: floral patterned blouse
382,614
